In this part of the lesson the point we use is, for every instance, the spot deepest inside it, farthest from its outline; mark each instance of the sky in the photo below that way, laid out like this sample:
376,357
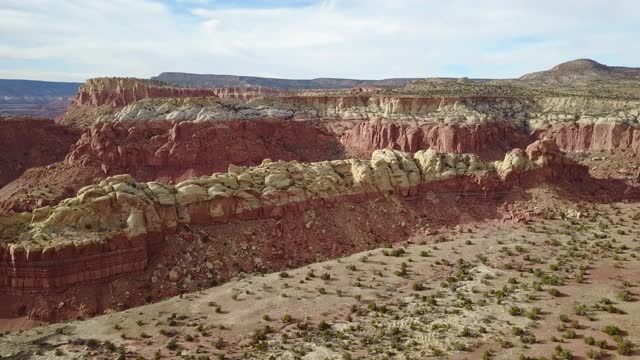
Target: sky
72,40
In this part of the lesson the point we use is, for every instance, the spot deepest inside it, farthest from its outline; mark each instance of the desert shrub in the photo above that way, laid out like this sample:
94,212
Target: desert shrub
515,310
624,296
580,309
624,347
554,292
611,330
589,340
172,344
528,339
323,325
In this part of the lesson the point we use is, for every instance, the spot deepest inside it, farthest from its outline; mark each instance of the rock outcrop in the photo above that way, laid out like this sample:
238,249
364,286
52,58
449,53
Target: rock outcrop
196,109
524,112
599,137
118,92
116,222
489,140
28,142
173,150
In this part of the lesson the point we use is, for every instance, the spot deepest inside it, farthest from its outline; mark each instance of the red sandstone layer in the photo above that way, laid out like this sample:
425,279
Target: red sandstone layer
594,137
60,267
488,140
156,150
166,151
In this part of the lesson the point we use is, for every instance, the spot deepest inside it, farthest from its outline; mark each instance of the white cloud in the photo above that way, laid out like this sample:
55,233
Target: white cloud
338,38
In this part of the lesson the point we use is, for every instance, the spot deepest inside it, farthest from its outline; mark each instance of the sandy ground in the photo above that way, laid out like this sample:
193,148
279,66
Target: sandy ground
483,290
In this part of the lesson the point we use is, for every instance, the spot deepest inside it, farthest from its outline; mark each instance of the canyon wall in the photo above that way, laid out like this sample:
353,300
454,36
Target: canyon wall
153,150
29,142
488,140
119,215
599,137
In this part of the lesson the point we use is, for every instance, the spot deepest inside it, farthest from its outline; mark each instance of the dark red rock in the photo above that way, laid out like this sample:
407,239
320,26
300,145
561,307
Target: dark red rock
28,142
490,140
593,137
166,150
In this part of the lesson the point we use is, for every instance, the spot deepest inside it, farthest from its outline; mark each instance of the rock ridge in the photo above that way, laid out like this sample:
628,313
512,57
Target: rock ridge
120,215
118,92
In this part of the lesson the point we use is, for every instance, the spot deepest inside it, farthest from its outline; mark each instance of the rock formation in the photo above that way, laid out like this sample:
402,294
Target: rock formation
525,112
196,109
489,140
598,137
111,227
173,150
118,92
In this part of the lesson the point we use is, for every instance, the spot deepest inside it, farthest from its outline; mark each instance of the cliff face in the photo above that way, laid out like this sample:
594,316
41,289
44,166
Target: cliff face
173,150
119,216
29,142
526,112
118,92
345,107
52,269
594,137
488,140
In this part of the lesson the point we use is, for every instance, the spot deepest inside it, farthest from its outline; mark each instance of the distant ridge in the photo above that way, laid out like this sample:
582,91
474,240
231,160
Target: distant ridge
215,81
11,87
583,70
35,98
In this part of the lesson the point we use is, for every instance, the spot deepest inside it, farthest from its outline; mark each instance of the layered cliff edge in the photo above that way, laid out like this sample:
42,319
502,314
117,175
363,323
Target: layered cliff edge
110,229
118,92
104,96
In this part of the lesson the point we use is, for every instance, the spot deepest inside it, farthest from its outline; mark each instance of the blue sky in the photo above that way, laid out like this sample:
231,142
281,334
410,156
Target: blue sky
73,40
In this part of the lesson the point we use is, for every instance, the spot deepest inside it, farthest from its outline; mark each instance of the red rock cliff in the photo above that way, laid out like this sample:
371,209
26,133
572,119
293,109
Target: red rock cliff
152,150
594,137
490,140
